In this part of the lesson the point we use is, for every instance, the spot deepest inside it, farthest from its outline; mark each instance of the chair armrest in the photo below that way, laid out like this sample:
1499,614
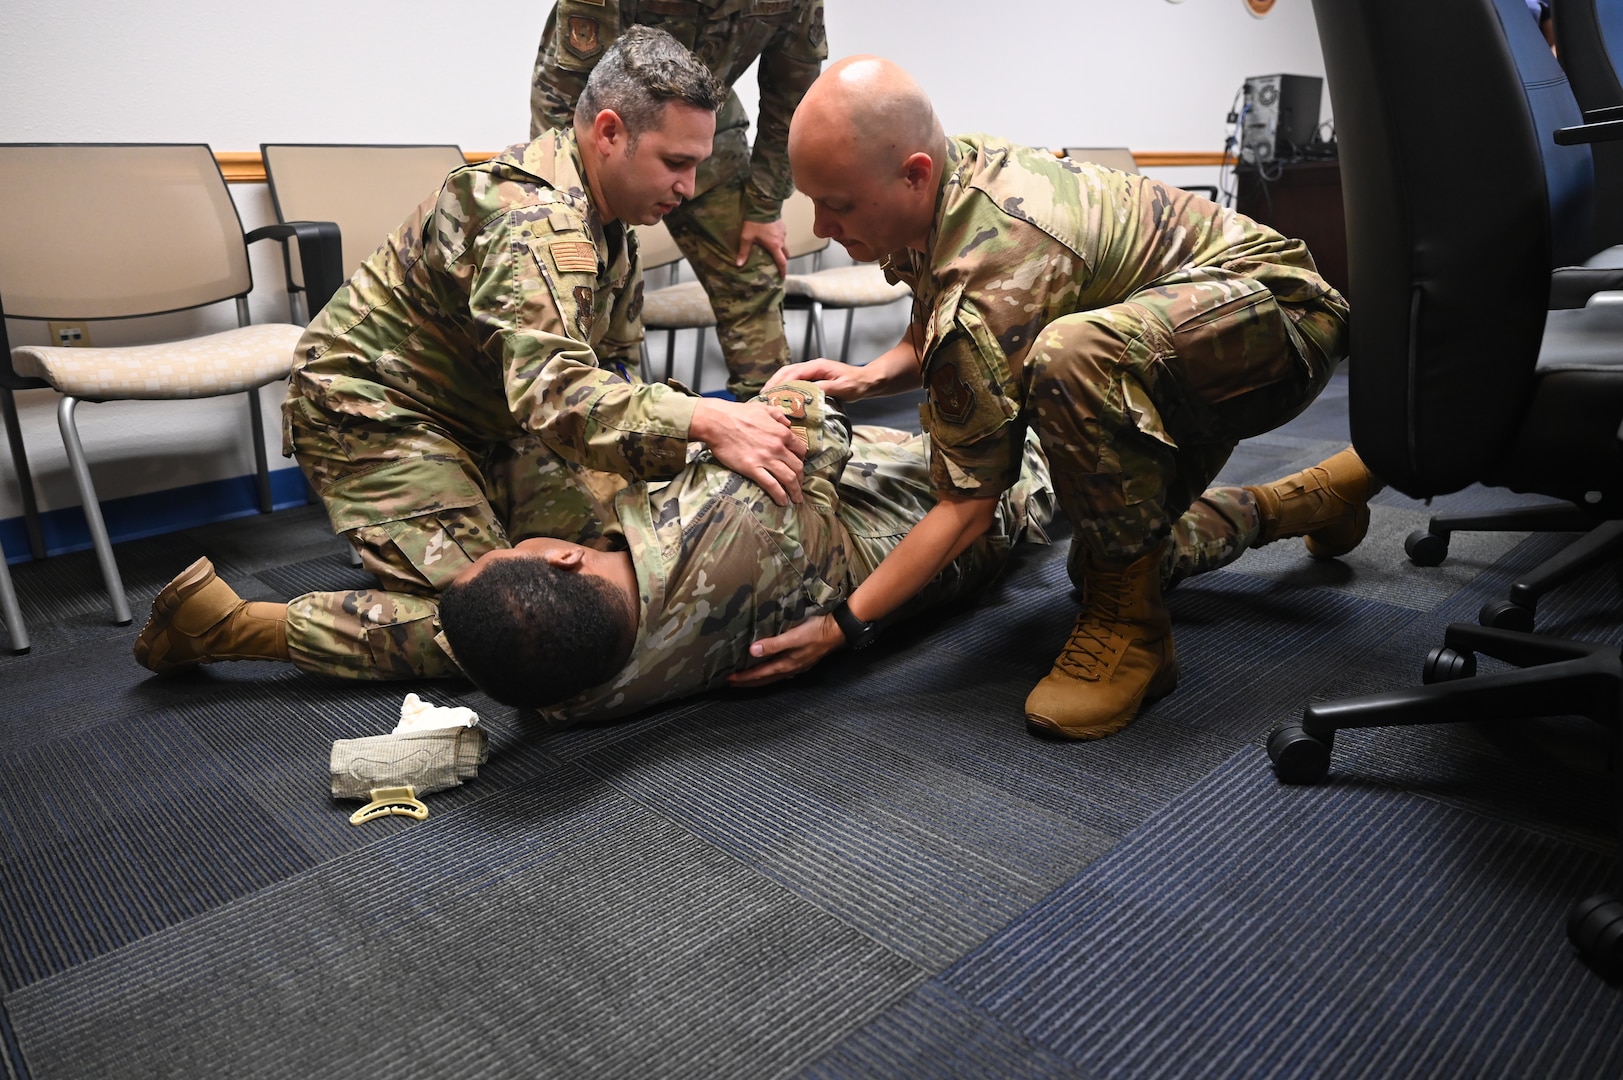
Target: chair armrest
1209,189
321,256
1605,131
1611,112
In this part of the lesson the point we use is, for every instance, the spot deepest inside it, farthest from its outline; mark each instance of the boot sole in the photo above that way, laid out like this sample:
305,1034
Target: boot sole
1163,684
174,594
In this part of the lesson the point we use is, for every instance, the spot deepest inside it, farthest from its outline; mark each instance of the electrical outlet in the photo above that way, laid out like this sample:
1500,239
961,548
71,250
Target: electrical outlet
71,335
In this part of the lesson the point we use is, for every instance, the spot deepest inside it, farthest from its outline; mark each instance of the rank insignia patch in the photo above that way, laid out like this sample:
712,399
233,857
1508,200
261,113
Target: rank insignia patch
574,257
950,394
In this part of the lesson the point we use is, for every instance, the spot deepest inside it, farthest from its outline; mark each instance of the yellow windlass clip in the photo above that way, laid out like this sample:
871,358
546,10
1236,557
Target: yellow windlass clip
391,800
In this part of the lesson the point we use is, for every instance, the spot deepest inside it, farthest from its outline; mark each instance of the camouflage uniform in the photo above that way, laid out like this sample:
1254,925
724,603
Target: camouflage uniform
734,185
1141,330
452,391
719,565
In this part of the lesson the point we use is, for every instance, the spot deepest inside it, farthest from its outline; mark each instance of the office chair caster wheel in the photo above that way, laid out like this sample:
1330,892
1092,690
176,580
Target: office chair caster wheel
1506,615
1595,928
1445,665
1426,548
1299,758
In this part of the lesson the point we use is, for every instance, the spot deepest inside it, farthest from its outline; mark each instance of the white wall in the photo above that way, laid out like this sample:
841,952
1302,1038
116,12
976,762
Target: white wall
1150,74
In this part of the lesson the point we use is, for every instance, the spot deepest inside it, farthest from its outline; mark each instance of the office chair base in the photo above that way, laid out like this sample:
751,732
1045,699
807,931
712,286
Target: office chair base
1299,758
1595,928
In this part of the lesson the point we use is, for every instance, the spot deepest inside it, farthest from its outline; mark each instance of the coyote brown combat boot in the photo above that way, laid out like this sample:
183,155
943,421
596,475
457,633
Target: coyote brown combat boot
199,619
1119,654
1327,504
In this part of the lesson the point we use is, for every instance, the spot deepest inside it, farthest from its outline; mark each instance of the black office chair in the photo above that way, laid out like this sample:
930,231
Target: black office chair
1583,266
1589,40
1459,374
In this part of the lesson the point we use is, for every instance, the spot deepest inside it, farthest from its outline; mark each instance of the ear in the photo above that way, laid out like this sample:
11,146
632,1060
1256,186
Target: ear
916,170
568,559
608,131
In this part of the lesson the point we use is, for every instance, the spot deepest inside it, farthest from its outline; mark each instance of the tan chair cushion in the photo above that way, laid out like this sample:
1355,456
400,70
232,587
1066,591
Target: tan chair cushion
214,364
677,307
863,285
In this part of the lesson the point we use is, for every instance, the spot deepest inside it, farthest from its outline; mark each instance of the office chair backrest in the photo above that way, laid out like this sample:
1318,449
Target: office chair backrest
1450,262
107,231
1589,38
367,190
1111,157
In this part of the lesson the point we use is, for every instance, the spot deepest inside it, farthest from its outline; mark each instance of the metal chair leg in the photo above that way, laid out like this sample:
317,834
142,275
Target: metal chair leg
845,342
698,357
256,420
25,480
92,508
12,614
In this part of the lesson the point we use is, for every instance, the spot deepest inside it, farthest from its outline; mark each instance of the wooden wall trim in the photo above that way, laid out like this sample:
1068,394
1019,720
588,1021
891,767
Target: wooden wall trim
247,167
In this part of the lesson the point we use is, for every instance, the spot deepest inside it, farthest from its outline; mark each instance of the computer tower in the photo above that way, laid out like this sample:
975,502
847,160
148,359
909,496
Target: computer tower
1281,115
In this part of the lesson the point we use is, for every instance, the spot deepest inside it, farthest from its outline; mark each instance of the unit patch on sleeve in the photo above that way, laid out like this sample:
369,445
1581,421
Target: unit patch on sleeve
583,311
574,257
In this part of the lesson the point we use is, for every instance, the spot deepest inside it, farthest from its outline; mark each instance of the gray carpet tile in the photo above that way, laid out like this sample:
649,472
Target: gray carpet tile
1261,930
114,832
325,573
935,1033
925,860
557,930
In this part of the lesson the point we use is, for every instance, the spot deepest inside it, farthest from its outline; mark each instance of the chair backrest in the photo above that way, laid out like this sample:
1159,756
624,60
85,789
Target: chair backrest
798,216
1451,273
1589,36
109,231
1111,157
655,247
367,190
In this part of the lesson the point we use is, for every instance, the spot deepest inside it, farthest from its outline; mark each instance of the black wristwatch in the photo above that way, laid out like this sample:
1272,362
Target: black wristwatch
858,634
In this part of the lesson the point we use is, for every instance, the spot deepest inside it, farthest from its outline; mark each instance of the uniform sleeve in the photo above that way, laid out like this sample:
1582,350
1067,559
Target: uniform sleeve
575,37
530,299
788,67
971,411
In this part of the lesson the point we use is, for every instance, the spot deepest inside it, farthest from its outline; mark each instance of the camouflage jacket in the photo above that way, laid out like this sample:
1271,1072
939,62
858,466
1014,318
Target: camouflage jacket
720,565
488,314
1022,238
727,35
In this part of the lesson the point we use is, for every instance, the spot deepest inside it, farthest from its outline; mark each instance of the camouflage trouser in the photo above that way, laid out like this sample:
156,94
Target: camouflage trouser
1140,404
419,508
748,299
1219,528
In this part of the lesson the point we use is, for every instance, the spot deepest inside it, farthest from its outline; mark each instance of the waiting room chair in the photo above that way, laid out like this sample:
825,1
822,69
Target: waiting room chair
1122,160
839,288
117,231
1459,372
679,305
367,190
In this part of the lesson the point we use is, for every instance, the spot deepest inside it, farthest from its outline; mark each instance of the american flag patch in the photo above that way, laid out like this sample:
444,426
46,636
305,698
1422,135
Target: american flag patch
574,257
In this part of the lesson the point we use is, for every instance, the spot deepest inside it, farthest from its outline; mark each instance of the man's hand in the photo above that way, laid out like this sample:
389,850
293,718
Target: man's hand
755,441
844,382
793,651
773,239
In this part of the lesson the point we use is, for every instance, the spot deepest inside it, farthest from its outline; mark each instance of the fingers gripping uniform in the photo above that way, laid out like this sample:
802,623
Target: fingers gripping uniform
735,184
471,378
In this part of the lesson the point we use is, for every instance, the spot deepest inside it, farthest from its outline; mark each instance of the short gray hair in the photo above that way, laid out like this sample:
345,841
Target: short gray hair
639,74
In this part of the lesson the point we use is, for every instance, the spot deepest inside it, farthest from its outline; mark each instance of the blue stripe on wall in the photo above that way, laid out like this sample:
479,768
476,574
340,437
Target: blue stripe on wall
158,512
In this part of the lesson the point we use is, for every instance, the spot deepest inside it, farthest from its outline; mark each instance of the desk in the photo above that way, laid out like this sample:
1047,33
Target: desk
1304,202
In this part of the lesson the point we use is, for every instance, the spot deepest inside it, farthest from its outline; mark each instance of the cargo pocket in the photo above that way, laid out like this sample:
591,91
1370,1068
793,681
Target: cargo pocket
417,523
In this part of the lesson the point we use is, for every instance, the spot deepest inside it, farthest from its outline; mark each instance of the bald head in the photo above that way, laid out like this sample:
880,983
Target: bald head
866,146
869,109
